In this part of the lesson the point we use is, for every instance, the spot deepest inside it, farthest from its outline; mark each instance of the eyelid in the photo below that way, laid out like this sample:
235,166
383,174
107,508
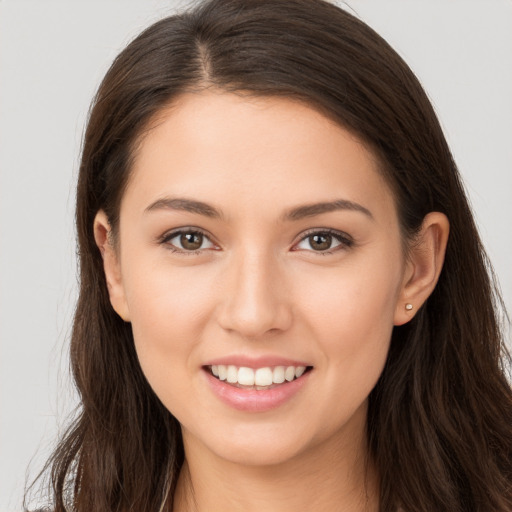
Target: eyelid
169,235
346,241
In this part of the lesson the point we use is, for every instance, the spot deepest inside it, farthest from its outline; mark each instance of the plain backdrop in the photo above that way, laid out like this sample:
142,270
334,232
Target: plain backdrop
53,55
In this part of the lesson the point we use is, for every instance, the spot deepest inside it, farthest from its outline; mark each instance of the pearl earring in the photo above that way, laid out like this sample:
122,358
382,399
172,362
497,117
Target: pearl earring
408,307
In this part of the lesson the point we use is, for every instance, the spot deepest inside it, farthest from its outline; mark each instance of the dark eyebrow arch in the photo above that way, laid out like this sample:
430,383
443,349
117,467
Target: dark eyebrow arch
294,214
187,205
310,210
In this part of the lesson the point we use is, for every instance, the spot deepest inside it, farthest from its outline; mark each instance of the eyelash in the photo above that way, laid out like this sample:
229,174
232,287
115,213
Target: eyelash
187,231
345,240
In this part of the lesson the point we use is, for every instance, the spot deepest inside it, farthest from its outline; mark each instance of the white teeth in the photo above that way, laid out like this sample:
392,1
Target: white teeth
260,378
246,376
232,374
299,371
222,371
263,377
289,373
278,375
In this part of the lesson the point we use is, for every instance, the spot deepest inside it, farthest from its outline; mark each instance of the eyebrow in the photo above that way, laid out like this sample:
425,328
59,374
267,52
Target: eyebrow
293,214
187,205
310,210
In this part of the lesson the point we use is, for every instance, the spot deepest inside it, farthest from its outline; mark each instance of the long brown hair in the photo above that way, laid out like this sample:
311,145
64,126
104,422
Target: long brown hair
440,417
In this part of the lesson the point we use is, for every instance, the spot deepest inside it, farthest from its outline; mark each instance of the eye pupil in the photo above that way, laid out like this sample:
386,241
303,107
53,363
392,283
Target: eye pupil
320,242
191,241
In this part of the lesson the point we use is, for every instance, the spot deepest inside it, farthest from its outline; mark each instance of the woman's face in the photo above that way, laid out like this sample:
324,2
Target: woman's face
257,238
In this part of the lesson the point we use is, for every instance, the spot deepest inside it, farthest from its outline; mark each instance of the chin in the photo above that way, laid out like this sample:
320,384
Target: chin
261,455
257,445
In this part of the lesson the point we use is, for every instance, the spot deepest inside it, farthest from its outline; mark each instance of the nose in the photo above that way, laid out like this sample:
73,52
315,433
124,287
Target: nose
255,299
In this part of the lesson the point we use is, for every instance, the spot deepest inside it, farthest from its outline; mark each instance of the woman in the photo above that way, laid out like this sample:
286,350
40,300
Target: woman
284,301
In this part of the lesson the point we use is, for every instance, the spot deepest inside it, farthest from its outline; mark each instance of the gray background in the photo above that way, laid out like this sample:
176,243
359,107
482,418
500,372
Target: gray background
52,57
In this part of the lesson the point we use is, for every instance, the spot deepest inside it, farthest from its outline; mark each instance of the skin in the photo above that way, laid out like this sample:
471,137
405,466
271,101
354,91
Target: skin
259,287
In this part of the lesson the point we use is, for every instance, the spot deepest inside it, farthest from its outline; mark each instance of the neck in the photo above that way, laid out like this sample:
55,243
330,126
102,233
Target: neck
332,476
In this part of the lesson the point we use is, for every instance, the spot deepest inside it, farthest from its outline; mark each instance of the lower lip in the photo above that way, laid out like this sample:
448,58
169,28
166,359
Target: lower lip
253,400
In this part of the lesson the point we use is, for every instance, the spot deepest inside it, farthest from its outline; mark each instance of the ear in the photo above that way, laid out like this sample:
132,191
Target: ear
423,267
111,265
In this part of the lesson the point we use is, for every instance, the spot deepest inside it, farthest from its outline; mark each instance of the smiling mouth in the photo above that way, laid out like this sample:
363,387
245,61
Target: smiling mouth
257,378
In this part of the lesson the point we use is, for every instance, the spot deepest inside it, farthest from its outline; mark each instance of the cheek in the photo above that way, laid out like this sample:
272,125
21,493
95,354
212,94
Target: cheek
168,310
360,296
166,301
351,314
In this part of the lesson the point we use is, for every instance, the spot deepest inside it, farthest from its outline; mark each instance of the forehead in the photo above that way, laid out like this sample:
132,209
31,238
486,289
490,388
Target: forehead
251,151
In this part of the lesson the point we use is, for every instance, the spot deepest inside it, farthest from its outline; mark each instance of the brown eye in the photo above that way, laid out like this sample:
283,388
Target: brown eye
324,242
320,241
191,241
187,241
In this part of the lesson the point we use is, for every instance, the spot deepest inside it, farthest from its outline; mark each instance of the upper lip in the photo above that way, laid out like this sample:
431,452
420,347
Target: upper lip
255,362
